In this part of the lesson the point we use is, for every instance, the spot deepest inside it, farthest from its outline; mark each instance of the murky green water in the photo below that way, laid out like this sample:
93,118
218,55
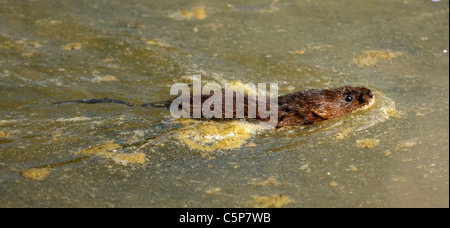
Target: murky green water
135,50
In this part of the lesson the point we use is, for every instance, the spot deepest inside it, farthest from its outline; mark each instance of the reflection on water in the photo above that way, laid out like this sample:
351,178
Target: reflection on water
393,154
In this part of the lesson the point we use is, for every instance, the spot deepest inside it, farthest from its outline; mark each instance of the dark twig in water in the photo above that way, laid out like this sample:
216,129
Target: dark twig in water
96,101
116,101
150,141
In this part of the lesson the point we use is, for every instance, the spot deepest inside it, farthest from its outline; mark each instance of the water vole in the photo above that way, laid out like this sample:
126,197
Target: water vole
305,107
299,108
311,106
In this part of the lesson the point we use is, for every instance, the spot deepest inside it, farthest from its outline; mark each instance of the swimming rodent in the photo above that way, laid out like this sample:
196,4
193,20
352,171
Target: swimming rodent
311,106
299,108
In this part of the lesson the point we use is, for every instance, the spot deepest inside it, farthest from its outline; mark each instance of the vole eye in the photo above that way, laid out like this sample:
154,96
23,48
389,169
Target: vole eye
348,98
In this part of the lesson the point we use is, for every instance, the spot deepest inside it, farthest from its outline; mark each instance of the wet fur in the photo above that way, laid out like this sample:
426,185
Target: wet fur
311,106
299,108
306,107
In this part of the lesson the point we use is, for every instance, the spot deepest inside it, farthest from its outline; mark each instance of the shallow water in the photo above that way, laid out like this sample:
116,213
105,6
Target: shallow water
393,154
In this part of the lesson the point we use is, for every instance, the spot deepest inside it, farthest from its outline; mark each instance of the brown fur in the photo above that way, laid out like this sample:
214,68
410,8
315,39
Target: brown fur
311,106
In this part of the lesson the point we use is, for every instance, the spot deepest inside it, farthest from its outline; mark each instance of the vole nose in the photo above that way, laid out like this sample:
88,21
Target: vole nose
370,94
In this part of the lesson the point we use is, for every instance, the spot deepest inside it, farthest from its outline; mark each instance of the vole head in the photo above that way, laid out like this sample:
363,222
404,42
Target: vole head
333,103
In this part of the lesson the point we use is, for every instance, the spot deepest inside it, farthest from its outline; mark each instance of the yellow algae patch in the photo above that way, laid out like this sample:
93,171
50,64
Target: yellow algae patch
423,111
107,78
156,43
213,190
309,48
367,143
4,134
19,45
271,181
353,168
134,158
246,88
342,134
305,168
297,52
33,44
252,144
28,54
100,150
403,145
186,79
427,169
48,21
106,150
333,184
371,58
72,46
198,13
275,200
319,47
391,112
209,136
107,60
56,136
408,143
36,174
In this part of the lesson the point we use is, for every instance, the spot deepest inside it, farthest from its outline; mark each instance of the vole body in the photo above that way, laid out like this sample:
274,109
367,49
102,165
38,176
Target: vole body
299,108
305,107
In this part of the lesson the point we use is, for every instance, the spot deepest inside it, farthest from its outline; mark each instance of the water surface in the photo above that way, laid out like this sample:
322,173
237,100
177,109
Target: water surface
394,154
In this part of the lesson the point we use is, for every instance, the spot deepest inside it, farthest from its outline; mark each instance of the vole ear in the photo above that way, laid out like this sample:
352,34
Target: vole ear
320,111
